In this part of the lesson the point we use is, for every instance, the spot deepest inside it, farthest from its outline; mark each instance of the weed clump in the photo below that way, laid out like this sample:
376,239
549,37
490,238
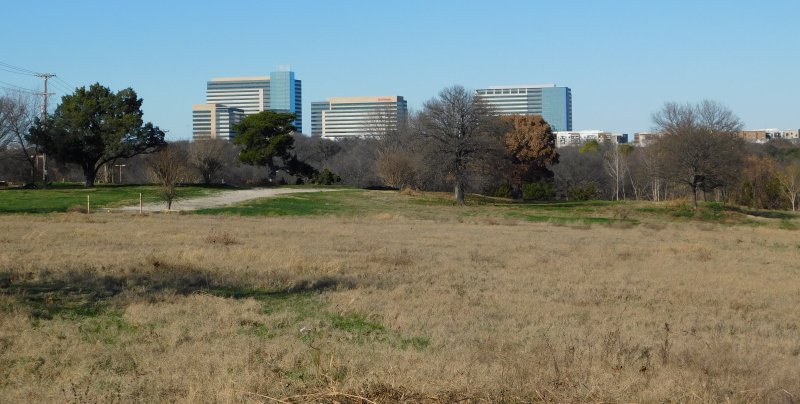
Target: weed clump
220,237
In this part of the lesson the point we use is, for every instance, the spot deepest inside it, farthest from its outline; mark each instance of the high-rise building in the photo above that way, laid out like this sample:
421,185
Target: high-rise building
551,102
279,91
341,117
214,121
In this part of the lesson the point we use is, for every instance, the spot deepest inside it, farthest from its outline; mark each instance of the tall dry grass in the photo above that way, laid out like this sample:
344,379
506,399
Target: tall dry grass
392,309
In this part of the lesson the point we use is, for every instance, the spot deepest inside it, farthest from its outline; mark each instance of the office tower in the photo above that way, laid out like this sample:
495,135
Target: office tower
214,121
341,117
279,91
553,103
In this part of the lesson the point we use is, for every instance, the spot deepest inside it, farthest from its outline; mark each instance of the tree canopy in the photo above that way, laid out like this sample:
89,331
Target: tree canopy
531,148
463,134
700,146
95,126
267,141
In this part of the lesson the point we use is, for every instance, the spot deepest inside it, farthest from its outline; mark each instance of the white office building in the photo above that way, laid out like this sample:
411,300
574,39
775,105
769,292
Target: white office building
553,103
577,138
342,117
279,92
214,121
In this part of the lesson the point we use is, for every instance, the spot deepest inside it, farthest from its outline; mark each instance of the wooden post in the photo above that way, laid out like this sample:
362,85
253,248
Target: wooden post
140,203
87,205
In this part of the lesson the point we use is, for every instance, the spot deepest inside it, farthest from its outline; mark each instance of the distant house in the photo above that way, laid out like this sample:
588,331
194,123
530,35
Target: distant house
765,135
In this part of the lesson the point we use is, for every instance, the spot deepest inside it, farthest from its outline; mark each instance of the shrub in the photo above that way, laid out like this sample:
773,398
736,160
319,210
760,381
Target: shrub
217,237
539,191
326,177
583,192
502,191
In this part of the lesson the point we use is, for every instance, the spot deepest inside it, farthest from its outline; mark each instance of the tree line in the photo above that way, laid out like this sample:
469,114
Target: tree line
454,143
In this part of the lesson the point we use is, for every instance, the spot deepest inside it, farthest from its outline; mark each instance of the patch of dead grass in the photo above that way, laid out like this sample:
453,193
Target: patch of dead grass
393,309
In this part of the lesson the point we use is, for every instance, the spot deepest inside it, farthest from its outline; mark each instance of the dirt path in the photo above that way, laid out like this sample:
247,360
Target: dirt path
221,199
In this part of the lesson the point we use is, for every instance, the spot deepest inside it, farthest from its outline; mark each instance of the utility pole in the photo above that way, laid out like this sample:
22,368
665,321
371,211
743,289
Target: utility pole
45,76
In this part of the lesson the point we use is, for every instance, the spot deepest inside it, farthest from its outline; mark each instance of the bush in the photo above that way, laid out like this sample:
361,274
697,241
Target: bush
502,191
539,191
583,192
326,177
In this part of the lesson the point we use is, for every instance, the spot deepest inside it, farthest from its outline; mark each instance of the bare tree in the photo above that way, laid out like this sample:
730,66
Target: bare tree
579,172
700,147
789,177
208,157
18,112
462,133
6,136
396,167
167,169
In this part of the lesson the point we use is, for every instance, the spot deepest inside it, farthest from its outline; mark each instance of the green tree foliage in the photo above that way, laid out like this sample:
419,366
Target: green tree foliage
267,141
326,177
94,126
592,146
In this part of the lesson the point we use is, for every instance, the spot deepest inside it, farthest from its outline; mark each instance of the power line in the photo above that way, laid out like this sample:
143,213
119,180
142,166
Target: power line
20,69
65,83
60,87
18,88
15,71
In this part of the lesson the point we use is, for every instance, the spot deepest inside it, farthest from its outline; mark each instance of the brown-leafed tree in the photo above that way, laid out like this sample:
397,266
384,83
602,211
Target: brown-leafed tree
700,147
462,133
167,168
531,149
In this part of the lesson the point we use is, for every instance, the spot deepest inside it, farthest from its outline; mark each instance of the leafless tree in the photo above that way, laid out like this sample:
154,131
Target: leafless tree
208,158
396,167
18,111
463,134
577,170
700,147
167,169
789,177
316,150
355,163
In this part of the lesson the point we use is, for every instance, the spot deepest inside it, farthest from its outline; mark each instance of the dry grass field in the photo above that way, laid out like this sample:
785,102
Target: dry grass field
194,308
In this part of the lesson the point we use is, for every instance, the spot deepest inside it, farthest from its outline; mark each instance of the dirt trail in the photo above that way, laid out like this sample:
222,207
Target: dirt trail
221,199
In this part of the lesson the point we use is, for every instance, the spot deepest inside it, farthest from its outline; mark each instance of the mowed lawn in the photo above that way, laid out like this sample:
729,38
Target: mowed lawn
64,197
350,295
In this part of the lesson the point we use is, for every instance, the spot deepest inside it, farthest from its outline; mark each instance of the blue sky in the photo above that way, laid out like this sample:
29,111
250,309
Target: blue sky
622,59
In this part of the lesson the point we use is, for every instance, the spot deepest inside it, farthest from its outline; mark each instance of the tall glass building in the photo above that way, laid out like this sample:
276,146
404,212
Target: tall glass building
279,91
551,102
341,117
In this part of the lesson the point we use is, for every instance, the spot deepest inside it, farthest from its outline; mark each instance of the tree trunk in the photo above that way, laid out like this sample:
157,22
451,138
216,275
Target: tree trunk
459,193
694,197
90,173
